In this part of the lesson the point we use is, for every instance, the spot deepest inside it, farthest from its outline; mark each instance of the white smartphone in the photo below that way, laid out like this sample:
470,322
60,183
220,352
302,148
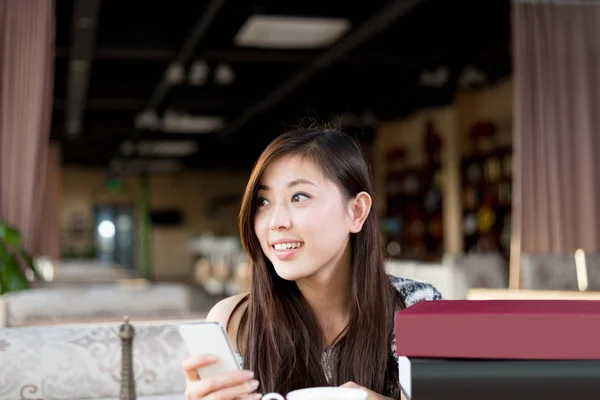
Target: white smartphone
207,337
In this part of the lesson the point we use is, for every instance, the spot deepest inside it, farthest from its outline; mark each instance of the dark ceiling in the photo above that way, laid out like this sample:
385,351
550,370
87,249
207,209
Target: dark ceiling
112,59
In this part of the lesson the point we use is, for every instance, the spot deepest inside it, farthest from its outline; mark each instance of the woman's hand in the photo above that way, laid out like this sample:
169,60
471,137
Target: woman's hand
233,385
371,395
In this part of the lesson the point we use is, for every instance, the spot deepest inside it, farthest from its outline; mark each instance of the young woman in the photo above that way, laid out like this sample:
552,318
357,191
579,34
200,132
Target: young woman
321,308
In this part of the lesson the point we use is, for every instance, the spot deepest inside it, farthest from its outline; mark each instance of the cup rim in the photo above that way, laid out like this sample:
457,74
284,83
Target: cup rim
328,389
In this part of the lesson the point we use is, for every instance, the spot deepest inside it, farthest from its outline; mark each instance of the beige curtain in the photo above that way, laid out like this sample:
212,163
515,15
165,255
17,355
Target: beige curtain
557,127
26,83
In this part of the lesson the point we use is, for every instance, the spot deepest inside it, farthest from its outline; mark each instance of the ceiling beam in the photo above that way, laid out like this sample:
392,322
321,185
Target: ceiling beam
83,32
187,50
137,104
243,56
185,53
378,22
109,53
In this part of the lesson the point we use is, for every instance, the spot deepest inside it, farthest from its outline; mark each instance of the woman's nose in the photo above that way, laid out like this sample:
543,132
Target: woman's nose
280,219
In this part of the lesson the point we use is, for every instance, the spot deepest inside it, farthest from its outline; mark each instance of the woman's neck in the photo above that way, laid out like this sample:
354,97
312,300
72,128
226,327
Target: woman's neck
328,294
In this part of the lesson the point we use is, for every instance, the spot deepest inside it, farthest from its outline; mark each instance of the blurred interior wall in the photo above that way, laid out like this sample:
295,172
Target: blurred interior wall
26,81
194,193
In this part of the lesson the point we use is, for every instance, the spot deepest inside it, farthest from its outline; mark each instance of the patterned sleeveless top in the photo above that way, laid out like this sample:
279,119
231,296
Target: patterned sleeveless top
412,292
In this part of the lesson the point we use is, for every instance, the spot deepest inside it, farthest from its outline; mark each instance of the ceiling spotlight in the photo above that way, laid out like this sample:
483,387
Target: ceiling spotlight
175,74
198,73
224,74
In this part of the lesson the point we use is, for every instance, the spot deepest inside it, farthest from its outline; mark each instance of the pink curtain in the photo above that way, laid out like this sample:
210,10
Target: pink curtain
26,83
557,127
49,240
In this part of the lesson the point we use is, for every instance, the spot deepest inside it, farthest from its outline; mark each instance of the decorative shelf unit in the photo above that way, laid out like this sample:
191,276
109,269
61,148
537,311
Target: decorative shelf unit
486,175
412,225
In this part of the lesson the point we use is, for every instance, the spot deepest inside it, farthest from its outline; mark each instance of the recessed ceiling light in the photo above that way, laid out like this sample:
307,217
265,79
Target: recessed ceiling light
273,31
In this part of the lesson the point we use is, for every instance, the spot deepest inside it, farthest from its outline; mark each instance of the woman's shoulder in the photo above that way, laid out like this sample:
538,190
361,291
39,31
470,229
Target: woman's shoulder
414,291
229,313
221,311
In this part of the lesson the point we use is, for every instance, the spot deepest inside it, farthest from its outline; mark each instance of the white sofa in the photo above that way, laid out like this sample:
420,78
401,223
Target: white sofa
455,275
49,305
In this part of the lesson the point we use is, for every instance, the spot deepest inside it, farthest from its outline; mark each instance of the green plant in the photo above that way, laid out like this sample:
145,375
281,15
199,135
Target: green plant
14,261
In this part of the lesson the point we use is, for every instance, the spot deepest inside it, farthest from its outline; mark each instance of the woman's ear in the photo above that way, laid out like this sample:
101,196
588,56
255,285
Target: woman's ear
360,208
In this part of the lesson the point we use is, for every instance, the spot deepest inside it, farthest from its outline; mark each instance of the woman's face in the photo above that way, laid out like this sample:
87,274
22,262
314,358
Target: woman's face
302,220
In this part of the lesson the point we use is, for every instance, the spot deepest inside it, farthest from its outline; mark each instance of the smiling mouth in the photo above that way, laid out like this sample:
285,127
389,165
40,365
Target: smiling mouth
287,246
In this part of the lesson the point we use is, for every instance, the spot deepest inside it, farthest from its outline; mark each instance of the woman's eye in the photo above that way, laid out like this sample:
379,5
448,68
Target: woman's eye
298,197
261,202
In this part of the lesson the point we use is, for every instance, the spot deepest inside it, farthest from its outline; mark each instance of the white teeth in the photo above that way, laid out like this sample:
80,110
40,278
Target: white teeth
288,246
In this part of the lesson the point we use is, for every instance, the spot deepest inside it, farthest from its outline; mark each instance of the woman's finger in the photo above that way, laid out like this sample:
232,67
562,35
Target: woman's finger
205,387
192,363
234,392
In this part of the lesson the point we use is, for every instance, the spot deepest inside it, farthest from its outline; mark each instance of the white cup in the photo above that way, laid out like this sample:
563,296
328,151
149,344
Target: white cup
320,393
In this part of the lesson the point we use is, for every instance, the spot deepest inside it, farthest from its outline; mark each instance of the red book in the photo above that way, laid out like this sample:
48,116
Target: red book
500,329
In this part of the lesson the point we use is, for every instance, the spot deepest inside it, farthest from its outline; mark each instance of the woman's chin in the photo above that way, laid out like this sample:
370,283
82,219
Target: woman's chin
289,272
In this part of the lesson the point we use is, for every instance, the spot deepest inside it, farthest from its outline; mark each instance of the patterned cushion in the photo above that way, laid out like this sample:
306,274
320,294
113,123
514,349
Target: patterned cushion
84,362
481,270
557,271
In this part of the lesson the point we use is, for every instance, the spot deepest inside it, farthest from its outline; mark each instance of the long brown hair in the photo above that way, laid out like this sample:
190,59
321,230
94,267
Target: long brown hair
279,334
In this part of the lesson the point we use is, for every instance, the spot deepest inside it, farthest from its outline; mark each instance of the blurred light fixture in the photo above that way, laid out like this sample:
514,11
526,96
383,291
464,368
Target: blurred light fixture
175,74
167,147
224,74
147,120
471,77
106,229
274,31
180,122
198,74
436,78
